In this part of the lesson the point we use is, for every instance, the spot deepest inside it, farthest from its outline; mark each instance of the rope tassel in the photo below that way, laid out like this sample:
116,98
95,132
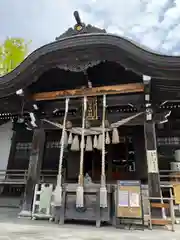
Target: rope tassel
115,136
80,189
80,197
103,189
75,144
58,193
70,139
58,189
103,192
100,140
89,146
95,142
108,140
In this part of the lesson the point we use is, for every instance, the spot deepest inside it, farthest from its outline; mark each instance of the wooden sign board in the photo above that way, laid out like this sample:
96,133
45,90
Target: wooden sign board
129,199
96,91
176,188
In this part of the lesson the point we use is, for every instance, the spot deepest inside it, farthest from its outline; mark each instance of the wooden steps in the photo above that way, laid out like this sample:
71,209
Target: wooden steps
161,222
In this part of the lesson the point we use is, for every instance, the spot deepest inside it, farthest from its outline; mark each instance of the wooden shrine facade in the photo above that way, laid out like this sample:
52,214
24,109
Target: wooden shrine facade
88,62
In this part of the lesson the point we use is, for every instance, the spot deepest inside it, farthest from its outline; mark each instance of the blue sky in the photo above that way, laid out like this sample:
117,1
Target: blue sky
153,23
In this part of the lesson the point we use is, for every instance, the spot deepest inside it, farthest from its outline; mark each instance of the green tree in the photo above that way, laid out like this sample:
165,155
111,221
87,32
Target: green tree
12,52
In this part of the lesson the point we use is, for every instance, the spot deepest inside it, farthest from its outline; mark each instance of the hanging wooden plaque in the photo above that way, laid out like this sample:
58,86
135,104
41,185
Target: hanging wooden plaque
92,108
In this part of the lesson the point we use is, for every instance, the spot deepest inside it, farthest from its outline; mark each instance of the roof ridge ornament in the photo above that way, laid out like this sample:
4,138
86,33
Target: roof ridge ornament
80,28
79,25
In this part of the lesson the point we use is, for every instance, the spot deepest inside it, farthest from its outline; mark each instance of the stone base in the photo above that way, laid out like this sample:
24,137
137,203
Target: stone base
24,213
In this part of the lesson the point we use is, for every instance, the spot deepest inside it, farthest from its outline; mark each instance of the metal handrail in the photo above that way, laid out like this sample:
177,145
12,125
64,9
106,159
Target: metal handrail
174,175
166,176
20,176
168,170
25,170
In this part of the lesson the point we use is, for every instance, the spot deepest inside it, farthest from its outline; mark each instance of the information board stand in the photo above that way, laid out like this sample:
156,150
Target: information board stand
129,204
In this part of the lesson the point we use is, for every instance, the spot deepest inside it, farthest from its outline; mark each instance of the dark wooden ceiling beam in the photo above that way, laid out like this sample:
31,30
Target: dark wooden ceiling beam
121,101
97,91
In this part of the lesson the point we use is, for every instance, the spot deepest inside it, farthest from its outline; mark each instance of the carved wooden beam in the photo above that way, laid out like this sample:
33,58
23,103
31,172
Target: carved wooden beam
74,93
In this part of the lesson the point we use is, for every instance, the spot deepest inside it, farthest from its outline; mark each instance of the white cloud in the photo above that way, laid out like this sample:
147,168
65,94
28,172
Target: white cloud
153,23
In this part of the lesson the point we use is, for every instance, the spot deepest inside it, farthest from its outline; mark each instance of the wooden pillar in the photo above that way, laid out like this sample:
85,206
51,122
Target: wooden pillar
152,159
150,143
35,162
140,153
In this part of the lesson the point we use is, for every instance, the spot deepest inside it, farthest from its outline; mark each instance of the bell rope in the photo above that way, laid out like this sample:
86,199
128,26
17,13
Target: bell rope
58,189
103,189
80,189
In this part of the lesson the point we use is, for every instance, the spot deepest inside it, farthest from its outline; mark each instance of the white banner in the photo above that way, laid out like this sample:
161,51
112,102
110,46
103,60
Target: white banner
152,161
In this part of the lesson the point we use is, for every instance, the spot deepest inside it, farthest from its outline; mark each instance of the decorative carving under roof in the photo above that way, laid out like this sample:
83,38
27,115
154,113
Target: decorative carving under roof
81,67
80,28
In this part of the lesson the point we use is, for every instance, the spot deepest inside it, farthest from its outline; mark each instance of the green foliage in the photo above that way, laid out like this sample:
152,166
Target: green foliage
12,52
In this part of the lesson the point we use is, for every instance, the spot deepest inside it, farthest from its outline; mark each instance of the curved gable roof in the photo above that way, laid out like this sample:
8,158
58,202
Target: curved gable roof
73,48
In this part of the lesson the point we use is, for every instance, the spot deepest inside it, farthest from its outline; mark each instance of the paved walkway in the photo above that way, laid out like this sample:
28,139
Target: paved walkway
27,231
20,229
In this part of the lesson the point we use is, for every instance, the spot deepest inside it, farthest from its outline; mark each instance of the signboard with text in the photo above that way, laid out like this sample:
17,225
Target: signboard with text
129,199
